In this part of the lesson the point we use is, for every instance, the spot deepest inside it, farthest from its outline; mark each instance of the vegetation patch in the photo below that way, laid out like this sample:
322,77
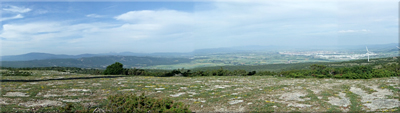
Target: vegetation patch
356,105
15,72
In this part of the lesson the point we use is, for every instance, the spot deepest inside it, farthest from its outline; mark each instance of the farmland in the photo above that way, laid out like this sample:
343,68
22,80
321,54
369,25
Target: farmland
267,57
51,90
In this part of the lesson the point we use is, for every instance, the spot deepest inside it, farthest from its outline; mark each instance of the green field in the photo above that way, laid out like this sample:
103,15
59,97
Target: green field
254,59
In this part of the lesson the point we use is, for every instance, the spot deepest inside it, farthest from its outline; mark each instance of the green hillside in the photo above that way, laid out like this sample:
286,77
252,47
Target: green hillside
300,66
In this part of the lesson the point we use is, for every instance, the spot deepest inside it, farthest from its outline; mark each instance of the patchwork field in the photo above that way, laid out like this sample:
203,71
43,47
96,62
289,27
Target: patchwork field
233,93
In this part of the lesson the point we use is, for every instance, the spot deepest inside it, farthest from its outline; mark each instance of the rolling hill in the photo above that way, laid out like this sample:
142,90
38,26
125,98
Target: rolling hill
353,48
97,62
42,56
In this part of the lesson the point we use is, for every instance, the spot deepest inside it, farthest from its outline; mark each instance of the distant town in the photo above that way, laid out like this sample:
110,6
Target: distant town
329,54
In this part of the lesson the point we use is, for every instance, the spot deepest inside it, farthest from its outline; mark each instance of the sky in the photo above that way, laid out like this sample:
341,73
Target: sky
78,27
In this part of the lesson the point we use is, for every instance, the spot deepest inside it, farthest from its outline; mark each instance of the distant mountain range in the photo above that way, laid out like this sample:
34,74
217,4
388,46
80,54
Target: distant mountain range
97,62
360,48
43,56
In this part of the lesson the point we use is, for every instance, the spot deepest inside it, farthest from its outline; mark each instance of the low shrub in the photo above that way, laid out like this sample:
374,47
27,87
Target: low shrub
353,76
368,76
295,75
129,103
338,76
74,108
321,76
291,75
251,73
329,76
346,76
299,75
383,73
16,73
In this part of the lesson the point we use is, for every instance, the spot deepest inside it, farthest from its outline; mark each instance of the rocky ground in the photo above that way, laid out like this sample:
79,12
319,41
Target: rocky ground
254,93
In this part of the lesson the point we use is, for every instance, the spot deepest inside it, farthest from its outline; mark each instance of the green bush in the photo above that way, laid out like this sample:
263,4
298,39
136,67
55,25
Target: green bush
345,76
173,73
382,73
220,72
114,69
295,75
187,74
239,72
329,76
368,76
251,73
321,76
299,75
353,76
67,108
291,75
261,73
129,103
75,107
339,76
198,73
16,73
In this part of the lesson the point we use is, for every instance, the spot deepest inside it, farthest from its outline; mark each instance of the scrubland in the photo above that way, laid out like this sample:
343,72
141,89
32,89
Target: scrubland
203,94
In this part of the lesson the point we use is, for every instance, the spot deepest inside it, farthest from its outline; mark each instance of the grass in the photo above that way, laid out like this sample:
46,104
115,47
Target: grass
259,93
391,88
355,100
368,90
396,91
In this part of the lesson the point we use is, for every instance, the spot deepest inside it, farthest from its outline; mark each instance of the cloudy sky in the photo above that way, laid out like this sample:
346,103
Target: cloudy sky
182,26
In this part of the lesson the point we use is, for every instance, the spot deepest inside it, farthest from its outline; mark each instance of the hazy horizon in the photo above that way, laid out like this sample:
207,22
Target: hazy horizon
300,48
174,26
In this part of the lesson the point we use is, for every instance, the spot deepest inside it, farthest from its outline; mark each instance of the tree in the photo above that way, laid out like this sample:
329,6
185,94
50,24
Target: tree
114,69
251,73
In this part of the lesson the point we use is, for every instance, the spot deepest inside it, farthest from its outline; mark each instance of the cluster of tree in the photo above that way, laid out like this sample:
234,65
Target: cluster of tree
355,72
219,72
16,72
117,69
60,69
315,70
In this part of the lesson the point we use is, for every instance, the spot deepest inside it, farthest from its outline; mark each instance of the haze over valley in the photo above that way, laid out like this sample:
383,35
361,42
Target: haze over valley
247,55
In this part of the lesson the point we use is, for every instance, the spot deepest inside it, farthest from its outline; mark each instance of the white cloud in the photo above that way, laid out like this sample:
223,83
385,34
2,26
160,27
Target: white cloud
16,9
353,31
232,23
346,31
365,30
214,24
10,18
66,36
94,15
156,16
